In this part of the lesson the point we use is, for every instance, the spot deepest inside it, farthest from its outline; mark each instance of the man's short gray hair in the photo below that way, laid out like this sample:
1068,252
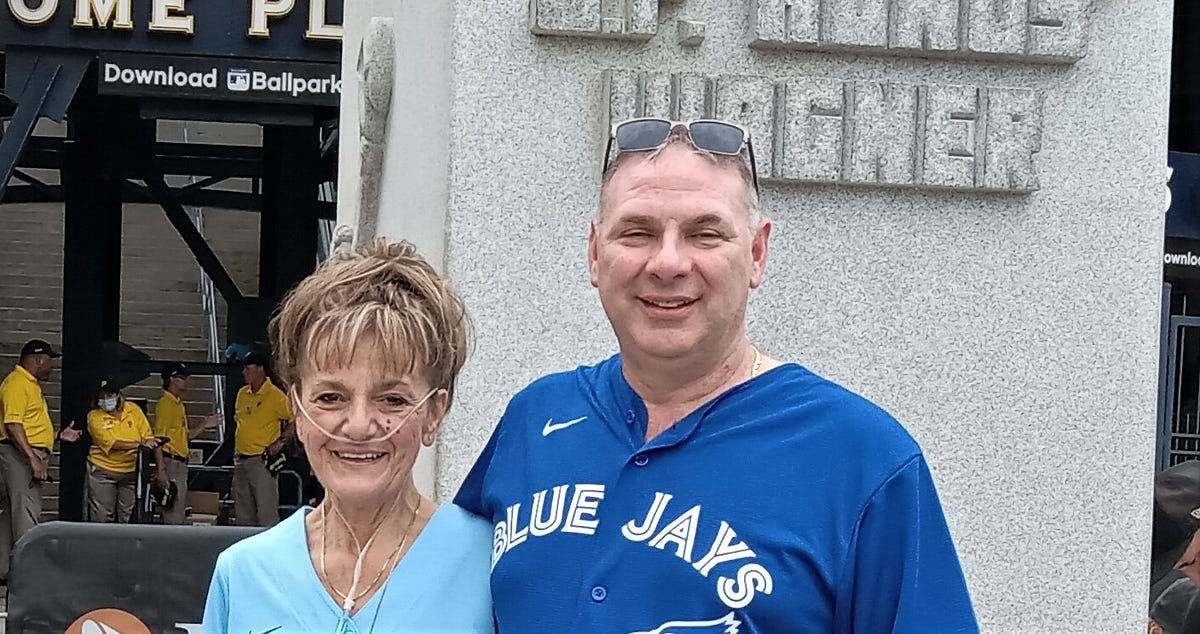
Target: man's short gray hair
740,162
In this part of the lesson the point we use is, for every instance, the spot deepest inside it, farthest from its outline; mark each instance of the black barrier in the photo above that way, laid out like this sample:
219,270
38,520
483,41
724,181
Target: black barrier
158,575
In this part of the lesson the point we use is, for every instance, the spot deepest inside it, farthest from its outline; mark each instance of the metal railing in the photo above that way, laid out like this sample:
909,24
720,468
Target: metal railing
212,331
327,193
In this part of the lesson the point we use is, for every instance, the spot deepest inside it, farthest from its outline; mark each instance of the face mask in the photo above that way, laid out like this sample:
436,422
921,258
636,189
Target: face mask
108,404
392,428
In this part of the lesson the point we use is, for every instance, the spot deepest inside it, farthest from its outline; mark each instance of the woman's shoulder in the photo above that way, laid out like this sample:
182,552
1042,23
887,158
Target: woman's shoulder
458,519
131,409
277,544
457,529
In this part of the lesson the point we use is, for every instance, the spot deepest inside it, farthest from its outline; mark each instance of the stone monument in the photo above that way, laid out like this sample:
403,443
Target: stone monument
967,197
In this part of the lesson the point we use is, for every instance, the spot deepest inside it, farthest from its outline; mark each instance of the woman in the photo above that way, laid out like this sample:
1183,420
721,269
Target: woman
368,348
119,429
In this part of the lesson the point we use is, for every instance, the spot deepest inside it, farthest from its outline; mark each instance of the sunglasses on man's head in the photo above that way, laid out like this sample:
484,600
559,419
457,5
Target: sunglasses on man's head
643,135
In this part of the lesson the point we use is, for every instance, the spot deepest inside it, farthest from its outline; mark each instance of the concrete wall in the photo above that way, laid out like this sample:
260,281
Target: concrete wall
994,281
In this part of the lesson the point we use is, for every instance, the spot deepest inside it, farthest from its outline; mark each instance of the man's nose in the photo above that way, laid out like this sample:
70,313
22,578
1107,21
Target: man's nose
671,259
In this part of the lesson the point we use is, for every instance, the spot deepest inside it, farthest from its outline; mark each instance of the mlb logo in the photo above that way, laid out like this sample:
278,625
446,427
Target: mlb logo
238,79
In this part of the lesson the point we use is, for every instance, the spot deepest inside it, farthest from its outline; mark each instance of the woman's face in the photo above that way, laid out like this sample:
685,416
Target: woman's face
109,401
360,404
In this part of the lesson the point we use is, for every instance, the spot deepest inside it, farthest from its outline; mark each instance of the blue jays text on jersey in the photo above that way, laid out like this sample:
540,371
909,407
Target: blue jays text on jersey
786,504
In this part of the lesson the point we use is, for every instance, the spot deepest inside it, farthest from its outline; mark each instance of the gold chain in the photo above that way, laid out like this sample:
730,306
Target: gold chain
386,562
757,362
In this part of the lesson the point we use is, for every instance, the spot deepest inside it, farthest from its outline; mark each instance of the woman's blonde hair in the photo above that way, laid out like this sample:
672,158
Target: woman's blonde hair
383,295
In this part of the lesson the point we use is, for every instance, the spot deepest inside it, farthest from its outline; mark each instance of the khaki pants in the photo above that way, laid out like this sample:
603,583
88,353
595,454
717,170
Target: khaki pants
110,495
177,472
255,493
23,510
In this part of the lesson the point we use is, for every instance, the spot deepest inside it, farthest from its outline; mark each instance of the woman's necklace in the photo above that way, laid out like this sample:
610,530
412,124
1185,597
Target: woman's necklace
387,563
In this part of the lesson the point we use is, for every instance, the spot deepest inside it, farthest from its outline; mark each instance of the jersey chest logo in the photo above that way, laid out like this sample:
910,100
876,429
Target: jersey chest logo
724,625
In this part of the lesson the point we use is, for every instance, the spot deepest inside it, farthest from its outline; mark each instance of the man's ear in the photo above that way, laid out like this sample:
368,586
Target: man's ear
593,255
759,249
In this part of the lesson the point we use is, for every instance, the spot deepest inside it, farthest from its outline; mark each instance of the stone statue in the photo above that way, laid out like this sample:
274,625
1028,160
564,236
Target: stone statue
343,240
376,70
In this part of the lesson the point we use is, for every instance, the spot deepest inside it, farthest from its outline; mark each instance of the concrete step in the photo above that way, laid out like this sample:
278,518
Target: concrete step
11,316
48,324
17,293
180,306
32,225
137,336
32,276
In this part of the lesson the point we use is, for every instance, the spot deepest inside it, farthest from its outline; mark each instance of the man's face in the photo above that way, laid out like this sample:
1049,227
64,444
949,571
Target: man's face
1189,561
44,365
179,383
253,373
673,254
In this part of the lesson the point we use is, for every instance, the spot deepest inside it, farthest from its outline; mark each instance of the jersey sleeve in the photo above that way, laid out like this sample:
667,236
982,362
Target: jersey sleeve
15,402
471,494
282,408
158,425
101,437
216,606
905,576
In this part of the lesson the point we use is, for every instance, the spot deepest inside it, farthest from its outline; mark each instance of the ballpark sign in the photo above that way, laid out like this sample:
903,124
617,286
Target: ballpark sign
302,30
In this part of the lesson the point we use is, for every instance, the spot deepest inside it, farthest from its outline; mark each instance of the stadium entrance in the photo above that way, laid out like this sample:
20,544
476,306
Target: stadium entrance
213,121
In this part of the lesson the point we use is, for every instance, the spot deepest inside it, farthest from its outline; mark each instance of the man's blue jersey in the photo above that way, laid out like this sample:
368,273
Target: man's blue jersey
786,504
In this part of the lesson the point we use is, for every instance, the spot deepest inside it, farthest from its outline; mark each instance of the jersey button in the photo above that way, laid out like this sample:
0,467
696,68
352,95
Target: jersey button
641,460
629,417
599,593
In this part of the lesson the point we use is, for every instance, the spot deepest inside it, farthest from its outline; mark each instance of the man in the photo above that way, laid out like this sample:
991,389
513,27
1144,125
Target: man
1175,550
171,422
26,440
263,424
692,483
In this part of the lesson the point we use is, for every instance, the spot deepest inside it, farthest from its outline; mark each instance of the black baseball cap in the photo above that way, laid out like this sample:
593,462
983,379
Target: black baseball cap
109,385
257,357
37,346
1177,492
175,369
1175,604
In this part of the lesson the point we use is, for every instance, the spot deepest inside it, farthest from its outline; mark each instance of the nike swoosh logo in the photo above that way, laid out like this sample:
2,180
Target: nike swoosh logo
552,426
274,629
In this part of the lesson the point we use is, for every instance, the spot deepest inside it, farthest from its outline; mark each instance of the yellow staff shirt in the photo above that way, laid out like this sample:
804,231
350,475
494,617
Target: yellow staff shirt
129,424
170,420
23,403
258,416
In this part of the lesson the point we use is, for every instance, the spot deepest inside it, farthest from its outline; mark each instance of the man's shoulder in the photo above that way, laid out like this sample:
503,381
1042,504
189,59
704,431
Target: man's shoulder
558,387
797,391
15,383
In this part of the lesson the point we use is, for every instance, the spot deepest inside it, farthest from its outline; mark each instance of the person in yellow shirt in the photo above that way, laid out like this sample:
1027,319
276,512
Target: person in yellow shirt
264,423
171,422
26,439
119,429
